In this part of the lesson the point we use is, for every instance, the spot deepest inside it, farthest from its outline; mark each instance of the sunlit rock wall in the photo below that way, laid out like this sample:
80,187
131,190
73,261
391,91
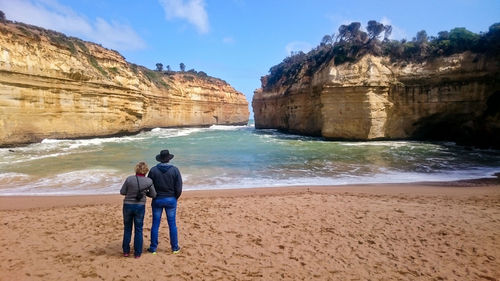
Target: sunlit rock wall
52,86
450,98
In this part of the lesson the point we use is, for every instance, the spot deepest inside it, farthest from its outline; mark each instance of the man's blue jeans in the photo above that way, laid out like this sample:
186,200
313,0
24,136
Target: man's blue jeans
133,214
170,206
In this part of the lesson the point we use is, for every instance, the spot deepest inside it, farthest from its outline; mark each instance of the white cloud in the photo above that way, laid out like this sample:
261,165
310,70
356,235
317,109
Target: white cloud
239,2
52,15
296,46
191,10
397,33
228,40
337,21
116,34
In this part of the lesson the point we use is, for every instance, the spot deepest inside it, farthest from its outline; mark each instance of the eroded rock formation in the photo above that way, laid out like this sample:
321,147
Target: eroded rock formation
449,98
53,86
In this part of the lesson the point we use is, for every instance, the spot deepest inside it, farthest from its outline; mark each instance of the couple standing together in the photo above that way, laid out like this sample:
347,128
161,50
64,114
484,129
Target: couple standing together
164,185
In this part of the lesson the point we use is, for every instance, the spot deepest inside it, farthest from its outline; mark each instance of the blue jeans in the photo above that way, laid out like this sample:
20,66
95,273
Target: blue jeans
133,214
170,206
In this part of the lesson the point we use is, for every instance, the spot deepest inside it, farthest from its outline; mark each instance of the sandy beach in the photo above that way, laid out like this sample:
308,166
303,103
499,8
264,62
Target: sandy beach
446,231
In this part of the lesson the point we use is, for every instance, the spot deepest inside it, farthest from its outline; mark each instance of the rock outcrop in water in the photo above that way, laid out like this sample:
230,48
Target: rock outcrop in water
448,98
53,86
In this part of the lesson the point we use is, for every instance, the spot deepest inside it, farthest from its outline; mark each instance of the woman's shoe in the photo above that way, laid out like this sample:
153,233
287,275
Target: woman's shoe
125,254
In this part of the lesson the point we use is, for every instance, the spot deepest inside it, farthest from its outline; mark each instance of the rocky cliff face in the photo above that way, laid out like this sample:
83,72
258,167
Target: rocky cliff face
52,86
450,98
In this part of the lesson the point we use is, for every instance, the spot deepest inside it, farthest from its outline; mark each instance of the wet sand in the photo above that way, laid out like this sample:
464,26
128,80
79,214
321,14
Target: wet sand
427,231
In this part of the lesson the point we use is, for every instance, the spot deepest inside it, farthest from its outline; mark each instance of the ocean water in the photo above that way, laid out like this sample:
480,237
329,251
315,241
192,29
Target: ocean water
222,157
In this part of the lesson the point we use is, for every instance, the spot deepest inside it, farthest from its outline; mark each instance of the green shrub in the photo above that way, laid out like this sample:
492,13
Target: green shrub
155,77
113,70
82,46
96,65
352,43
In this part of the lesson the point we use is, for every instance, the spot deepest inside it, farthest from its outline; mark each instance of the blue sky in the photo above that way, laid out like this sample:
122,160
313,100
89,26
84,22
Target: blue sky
237,40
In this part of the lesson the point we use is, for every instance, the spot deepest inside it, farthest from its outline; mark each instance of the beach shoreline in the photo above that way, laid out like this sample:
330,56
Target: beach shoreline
417,231
461,187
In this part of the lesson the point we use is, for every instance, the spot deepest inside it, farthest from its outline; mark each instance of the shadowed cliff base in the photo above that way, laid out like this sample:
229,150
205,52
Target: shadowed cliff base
482,131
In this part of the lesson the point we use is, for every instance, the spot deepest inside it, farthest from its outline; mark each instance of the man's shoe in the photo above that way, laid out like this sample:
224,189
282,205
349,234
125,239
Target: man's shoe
176,251
151,251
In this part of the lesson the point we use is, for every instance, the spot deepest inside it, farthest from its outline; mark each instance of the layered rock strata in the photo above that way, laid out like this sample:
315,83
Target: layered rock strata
450,98
53,86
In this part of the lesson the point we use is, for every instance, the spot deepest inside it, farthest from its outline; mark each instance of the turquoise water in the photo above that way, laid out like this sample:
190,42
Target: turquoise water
233,157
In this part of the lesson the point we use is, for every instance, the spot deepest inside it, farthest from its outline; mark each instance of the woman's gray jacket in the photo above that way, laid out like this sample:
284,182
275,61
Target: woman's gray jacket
129,189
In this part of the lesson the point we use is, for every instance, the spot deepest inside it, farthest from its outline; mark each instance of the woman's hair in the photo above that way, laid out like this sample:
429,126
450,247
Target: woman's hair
141,168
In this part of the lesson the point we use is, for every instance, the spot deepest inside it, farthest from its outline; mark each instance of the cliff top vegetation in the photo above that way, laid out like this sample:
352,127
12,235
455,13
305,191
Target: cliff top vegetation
189,75
351,43
80,47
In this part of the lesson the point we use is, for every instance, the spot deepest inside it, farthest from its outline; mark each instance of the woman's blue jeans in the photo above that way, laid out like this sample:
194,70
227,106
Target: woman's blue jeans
133,214
170,206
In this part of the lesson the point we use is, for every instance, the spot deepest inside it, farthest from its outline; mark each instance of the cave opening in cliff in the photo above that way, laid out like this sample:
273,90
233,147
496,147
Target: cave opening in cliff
444,127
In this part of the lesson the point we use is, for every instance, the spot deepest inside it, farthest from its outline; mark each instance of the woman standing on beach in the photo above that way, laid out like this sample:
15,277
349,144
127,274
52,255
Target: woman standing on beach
134,202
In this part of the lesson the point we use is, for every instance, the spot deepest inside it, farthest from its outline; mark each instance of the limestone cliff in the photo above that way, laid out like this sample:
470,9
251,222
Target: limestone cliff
53,86
449,98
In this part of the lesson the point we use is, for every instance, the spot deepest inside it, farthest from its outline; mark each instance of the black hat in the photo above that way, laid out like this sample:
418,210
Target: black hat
164,156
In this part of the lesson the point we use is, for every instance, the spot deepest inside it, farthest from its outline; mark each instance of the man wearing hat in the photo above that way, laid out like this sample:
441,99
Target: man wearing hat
168,184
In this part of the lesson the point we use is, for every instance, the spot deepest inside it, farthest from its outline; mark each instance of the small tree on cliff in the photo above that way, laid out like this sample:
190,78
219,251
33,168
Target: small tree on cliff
351,33
387,32
421,37
159,67
182,66
2,16
168,68
462,39
327,40
491,41
374,29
